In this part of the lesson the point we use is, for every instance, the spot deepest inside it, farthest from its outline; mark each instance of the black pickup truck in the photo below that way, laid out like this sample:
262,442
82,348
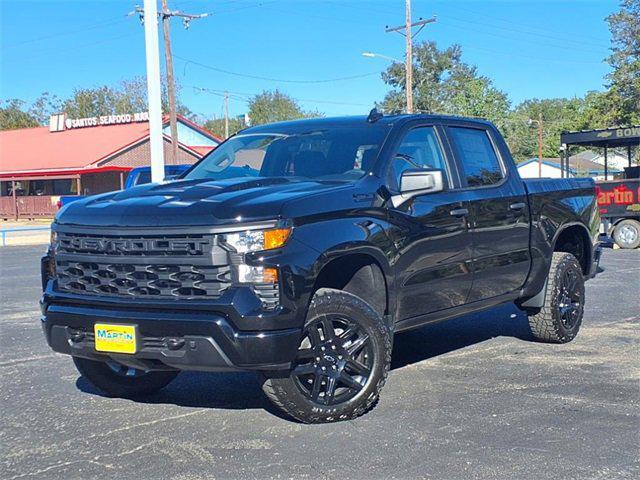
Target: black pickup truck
333,235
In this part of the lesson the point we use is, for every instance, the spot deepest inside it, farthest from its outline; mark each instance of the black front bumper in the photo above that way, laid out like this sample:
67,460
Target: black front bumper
175,340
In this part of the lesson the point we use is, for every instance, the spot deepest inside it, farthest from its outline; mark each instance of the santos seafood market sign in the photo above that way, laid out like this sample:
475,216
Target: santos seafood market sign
58,123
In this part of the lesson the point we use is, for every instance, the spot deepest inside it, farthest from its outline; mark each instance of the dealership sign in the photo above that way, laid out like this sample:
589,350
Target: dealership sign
612,137
58,123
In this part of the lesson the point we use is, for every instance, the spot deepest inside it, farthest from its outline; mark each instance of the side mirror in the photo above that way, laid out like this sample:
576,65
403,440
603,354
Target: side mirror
418,182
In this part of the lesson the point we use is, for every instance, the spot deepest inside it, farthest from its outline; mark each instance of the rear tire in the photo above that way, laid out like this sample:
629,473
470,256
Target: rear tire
120,381
627,234
342,361
559,320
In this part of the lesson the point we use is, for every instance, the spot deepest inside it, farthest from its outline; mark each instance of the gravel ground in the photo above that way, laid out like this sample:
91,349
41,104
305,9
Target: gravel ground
470,398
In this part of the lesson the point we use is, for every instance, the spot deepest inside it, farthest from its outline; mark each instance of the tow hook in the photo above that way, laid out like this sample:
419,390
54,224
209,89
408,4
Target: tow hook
76,336
175,343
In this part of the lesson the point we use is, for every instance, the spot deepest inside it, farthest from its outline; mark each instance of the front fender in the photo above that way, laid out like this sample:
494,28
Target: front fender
348,236
314,245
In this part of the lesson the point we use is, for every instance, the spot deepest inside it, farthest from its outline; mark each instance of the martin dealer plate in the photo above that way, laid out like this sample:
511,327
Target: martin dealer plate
115,338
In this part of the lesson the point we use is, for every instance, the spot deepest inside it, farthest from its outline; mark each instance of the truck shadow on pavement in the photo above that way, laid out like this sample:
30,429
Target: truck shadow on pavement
440,338
242,390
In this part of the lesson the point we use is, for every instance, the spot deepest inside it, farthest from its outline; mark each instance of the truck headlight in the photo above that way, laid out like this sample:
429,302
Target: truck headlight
255,241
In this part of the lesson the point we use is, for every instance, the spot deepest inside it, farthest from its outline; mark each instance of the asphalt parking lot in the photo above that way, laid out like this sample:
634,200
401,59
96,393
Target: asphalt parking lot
470,398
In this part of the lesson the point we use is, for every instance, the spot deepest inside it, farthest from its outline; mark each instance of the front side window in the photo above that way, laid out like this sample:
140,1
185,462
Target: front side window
323,154
477,155
419,149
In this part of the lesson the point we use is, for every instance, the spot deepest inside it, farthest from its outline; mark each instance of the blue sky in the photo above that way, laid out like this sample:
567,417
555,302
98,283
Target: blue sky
540,49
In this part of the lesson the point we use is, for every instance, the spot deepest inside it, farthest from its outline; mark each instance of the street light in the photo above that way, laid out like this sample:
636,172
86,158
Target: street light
378,55
385,57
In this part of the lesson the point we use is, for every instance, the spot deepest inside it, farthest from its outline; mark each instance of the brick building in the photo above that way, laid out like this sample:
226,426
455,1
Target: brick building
83,157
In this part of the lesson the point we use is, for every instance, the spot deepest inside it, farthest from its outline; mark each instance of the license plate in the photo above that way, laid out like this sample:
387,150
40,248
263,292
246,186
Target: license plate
115,338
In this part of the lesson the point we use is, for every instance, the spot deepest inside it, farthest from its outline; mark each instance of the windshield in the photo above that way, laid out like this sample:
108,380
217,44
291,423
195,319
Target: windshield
332,154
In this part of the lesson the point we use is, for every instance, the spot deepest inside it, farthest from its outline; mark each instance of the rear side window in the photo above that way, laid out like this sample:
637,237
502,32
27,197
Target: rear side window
477,155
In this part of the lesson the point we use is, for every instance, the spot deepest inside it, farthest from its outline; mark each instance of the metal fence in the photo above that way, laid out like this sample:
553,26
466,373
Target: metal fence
5,231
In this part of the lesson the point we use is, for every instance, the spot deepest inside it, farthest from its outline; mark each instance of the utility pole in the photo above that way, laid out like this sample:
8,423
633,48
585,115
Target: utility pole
153,90
406,31
171,90
151,28
540,145
226,115
409,60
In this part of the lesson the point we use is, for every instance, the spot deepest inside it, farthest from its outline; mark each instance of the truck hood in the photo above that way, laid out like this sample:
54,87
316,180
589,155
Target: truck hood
195,202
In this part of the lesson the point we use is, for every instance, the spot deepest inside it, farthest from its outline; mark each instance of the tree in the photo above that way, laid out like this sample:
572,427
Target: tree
91,102
597,110
443,83
44,106
624,86
216,126
558,115
128,97
476,97
275,106
12,115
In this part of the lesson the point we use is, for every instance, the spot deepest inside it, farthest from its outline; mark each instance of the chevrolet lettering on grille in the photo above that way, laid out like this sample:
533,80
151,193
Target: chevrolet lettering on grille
103,245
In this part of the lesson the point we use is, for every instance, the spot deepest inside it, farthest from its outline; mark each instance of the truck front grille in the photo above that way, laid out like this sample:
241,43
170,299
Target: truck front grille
172,266
141,280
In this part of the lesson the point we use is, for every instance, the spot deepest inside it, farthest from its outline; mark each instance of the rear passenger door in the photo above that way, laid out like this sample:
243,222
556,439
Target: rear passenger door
498,212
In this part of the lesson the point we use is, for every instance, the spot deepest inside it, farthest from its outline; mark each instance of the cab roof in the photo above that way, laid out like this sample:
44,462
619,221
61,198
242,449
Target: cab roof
356,120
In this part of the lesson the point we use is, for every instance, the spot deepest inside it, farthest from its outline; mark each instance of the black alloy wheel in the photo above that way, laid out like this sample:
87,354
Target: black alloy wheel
334,361
342,361
560,317
570,298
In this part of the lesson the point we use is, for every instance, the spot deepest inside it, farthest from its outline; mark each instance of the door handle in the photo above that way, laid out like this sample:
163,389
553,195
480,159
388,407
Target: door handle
517,206
459,212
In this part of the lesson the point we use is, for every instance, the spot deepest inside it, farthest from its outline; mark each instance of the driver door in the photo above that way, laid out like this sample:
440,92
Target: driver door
430,232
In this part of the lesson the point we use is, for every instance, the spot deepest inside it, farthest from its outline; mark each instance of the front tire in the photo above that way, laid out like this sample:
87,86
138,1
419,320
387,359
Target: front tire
342,362
627,234
559,320
119,380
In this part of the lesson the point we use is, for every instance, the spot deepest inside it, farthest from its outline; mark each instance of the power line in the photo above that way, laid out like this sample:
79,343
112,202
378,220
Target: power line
369,8
525,29
245,97
73,50
245,7
520,55
104,23
310,15
536,29
519,39
270,79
